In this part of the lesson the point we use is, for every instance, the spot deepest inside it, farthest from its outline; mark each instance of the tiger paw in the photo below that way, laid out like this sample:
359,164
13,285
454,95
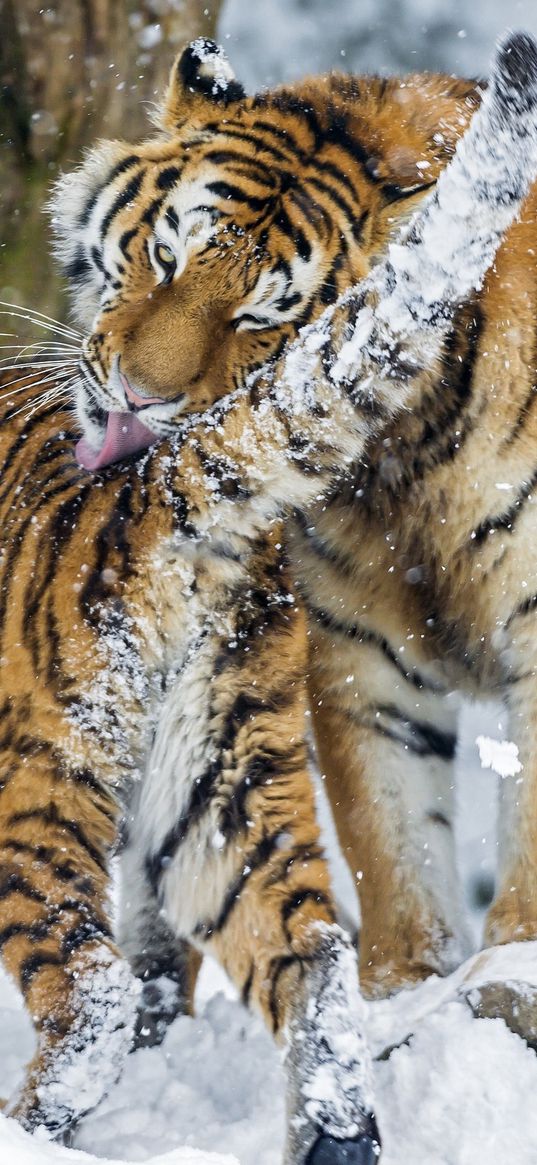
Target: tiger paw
161,1001
361,1150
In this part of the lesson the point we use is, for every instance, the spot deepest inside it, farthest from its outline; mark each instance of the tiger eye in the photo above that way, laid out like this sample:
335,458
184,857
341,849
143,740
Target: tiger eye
165,255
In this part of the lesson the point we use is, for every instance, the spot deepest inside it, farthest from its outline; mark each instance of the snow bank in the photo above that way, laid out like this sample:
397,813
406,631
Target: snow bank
461,1093
19,1148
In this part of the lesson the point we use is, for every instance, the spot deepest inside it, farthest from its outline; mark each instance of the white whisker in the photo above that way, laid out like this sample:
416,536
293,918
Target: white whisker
26,369
41,315
51,378
41,347
41,324
33,406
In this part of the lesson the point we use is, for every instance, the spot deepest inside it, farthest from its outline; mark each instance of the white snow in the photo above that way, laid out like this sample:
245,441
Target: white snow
462,1093
499,755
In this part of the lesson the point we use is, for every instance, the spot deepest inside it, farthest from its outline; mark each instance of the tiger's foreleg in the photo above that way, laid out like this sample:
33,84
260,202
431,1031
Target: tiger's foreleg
227,825
57,825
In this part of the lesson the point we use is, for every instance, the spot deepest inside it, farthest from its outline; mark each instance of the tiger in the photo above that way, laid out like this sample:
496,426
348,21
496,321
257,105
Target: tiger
156,654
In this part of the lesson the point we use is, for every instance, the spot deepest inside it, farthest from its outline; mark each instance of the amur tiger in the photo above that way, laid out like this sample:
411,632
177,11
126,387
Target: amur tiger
155,649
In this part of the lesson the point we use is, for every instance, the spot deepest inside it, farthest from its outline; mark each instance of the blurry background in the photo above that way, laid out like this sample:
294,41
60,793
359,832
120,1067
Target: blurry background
74,70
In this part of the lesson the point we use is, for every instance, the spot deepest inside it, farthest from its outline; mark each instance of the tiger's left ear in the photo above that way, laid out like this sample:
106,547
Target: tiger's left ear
201,76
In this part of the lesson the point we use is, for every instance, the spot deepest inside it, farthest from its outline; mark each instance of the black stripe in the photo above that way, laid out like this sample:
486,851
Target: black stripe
507,520
172,218
264,767
439,818
227,191
322,549
79,267
283,134
168,177
50,816
119,168
86,931
294,232
201,793
265,174
128,194
414,736
150,214
245,707
125,239
372,639
54,539
425,740
20,444
247,985
34,931
13,883
35,963
301,854
252,862
526,607
523,414
276,969
111,540
328,290
299,897
259,141
62,871
335,196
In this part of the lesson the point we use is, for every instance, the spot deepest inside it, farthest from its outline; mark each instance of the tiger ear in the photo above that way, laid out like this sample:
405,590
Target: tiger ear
201,76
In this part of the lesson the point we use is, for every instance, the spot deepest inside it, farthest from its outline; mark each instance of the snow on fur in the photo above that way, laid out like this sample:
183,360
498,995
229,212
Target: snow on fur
336,1069
98,1042
499,755
443,255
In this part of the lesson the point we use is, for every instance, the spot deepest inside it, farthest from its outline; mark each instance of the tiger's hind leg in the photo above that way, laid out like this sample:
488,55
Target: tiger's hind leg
56,829
386,748
166,966
502,981
233,856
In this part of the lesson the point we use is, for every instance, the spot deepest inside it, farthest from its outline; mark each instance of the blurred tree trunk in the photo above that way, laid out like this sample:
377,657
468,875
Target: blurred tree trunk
71,72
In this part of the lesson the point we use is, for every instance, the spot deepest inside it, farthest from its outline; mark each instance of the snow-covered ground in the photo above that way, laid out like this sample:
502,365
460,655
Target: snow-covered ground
462,1092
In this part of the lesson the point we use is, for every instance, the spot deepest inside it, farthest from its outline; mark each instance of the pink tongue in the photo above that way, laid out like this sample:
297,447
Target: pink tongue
125,434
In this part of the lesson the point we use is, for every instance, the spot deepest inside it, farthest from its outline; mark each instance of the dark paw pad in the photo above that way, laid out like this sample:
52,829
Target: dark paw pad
364,1150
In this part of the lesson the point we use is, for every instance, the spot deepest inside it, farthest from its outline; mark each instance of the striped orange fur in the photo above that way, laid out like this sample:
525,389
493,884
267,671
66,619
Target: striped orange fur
165,638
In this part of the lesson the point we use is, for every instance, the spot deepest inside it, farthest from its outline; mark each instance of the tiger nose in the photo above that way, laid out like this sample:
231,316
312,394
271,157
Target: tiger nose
136,399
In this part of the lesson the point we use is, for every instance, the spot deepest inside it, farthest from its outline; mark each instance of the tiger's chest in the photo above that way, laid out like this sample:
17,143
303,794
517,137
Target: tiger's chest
145,637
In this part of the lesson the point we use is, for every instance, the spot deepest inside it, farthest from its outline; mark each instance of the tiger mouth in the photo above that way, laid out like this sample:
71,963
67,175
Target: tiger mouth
125,434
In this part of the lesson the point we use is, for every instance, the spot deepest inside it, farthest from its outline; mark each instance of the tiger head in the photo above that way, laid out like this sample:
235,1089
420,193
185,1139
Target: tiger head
194,257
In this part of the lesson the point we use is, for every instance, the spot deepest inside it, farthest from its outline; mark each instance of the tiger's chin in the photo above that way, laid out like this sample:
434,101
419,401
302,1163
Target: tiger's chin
124,435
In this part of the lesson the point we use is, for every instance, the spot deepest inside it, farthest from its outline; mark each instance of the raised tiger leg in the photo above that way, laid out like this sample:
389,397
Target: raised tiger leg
386,744
167,966
236,865
56,828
